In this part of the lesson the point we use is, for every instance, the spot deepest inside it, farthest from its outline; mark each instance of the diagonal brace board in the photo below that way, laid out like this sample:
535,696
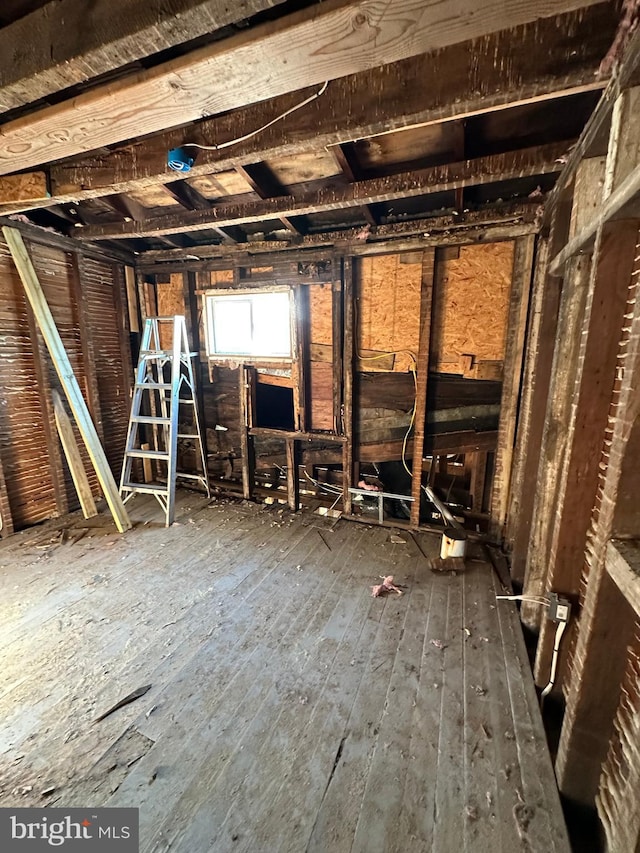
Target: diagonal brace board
65,373
74,460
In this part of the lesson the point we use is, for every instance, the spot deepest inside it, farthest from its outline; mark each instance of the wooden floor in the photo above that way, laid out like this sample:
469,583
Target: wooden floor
288,710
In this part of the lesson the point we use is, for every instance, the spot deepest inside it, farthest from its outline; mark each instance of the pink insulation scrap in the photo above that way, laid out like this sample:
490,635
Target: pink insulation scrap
386,586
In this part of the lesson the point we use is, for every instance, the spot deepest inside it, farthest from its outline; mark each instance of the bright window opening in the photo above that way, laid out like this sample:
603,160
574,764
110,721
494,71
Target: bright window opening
250,324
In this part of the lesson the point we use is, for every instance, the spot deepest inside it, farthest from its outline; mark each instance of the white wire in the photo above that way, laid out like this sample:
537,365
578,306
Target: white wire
260,129
554,660
535,599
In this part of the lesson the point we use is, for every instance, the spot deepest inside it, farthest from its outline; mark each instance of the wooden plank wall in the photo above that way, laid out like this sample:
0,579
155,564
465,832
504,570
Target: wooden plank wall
37,479
104,291
584,525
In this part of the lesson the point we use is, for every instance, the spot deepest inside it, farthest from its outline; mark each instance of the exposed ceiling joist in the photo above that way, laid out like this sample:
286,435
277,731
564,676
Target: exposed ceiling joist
191,199
350,170
265,185
521,213
411,92
324,42
72,41
540,160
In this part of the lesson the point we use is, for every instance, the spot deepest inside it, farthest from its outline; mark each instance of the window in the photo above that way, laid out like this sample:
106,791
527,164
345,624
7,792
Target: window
255,324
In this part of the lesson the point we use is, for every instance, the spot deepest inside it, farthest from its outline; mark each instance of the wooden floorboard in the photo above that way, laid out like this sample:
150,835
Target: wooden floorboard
288,709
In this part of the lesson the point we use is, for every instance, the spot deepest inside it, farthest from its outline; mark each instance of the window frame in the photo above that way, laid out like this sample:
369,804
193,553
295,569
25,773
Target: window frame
209,297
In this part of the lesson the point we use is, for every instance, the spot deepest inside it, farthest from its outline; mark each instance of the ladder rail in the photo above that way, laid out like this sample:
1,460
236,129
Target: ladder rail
151,379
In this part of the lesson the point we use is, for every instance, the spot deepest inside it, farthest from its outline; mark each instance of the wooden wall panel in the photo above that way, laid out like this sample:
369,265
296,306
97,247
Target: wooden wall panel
25,459
388,308
105,294
56,275
617,798
170,297
471,309
321,345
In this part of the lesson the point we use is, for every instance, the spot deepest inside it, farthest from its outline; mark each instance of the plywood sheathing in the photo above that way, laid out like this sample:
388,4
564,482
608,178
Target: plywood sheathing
388,308
471,306
170,302
321,371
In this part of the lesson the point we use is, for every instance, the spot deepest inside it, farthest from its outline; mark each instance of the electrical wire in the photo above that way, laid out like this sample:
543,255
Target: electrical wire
535,599
260,129
554,661
413,368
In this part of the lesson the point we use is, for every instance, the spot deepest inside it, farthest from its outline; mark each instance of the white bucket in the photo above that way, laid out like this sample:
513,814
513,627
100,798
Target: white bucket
454,543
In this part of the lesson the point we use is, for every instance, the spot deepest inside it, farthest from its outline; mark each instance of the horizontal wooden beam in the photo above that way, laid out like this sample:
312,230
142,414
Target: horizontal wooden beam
543,159
71,41
547,59
323,42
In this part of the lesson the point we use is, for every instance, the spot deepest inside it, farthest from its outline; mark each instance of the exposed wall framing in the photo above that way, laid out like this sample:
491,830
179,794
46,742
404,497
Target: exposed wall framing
85,292
582,499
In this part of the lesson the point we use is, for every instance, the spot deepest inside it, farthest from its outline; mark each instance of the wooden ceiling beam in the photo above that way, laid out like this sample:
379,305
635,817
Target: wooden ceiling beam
72,41
350,169
520,213
323,42
407,93
191,199
543,159
265,185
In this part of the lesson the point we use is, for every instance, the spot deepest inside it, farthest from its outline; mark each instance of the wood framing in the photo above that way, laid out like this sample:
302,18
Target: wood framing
576,471
513,362
6,519
557,418
44,384
65,374
246,377
539,160
305,48
347,385
422,379
293,478
58,59
74,460
364,104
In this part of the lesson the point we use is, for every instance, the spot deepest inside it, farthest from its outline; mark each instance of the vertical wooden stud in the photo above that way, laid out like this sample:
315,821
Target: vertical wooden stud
422,379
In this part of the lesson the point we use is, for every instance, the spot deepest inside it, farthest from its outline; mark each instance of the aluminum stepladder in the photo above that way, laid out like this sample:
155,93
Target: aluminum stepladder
162,377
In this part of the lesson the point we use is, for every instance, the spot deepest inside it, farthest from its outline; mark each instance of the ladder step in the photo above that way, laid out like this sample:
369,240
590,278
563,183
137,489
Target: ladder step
147,454
165,386
188,435
144,488
147,419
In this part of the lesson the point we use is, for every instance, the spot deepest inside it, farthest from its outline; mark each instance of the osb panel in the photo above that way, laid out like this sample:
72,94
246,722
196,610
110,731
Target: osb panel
170,302
388,308
217,277
321,317
471,307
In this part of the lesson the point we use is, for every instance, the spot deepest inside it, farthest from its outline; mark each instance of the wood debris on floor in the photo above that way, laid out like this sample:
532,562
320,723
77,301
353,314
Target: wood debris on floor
289,710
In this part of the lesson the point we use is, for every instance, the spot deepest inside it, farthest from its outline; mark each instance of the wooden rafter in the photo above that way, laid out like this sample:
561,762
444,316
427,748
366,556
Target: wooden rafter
539,160
506,215
265,185
324,42
346,161
71,41
367,103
